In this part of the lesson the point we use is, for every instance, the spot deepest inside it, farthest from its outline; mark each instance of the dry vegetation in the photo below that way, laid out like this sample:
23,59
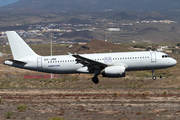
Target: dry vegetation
114,104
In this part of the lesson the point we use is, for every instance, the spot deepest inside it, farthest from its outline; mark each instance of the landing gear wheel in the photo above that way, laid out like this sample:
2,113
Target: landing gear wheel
95,80
154,77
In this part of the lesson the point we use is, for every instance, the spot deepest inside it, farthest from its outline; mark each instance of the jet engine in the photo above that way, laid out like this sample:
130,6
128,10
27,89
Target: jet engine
114,71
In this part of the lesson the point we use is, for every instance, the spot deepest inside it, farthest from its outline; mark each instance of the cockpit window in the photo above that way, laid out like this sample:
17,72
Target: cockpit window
165,56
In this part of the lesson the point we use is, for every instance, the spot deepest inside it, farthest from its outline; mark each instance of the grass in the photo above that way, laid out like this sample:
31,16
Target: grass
0,99
164,93
21,107
145,94
75,81
56,118
9,114
116,94
35,83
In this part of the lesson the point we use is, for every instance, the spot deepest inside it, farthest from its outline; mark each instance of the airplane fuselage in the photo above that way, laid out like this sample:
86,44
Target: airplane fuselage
66,64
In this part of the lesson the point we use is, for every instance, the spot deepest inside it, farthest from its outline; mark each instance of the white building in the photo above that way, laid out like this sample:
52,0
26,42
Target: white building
114,29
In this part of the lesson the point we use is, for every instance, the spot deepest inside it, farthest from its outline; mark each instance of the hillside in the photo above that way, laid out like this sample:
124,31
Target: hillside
128,15
31,6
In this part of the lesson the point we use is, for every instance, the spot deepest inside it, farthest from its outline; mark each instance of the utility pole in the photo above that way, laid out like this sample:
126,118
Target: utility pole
106,39
51,36
4,50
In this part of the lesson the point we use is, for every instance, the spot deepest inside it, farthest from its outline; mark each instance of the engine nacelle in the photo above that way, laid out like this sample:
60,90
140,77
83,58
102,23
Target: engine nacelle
114,71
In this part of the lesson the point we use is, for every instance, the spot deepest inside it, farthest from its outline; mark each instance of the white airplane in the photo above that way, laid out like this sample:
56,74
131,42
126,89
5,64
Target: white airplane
108,64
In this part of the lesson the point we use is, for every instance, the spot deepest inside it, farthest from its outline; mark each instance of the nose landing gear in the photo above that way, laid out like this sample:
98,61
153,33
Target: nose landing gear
154,77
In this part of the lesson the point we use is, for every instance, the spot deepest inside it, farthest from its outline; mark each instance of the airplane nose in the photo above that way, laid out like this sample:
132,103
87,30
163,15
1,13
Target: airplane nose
174,62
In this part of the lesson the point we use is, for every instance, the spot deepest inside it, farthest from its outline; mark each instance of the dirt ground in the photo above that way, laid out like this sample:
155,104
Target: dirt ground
92,104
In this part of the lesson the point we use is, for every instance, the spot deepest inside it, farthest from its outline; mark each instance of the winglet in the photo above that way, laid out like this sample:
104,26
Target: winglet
70,53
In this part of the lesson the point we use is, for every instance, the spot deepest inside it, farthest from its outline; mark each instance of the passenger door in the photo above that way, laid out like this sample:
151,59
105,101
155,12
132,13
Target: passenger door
153,57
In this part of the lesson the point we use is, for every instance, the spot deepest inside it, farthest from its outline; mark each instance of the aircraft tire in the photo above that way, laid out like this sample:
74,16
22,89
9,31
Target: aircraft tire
95,80
154,77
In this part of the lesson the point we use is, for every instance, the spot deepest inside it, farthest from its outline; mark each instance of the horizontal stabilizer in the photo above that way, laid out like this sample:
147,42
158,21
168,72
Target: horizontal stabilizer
17,61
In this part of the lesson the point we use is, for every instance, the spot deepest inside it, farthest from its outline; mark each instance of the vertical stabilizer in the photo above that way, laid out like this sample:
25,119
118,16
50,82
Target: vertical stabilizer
18,47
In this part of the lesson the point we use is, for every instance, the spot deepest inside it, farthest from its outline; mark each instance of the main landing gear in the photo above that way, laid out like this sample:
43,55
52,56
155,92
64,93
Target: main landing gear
154,77
95,79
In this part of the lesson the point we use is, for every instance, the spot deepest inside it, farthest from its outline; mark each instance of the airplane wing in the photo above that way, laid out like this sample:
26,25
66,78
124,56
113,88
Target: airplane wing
89,62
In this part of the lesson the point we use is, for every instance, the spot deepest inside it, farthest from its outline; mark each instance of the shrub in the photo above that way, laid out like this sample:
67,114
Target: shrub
56,118
164,93
74,79
9,114
115,94
145,94
21,107
0,100
138,46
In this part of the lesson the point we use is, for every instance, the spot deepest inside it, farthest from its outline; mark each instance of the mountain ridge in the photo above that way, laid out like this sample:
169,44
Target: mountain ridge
90,5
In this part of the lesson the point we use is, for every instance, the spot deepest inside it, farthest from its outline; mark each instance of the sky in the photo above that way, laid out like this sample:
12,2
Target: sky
6,2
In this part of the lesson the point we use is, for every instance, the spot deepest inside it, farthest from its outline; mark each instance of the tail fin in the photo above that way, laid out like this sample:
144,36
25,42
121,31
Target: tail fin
18,47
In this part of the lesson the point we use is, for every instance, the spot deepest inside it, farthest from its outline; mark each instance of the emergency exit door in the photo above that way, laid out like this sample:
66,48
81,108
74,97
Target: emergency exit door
39,63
